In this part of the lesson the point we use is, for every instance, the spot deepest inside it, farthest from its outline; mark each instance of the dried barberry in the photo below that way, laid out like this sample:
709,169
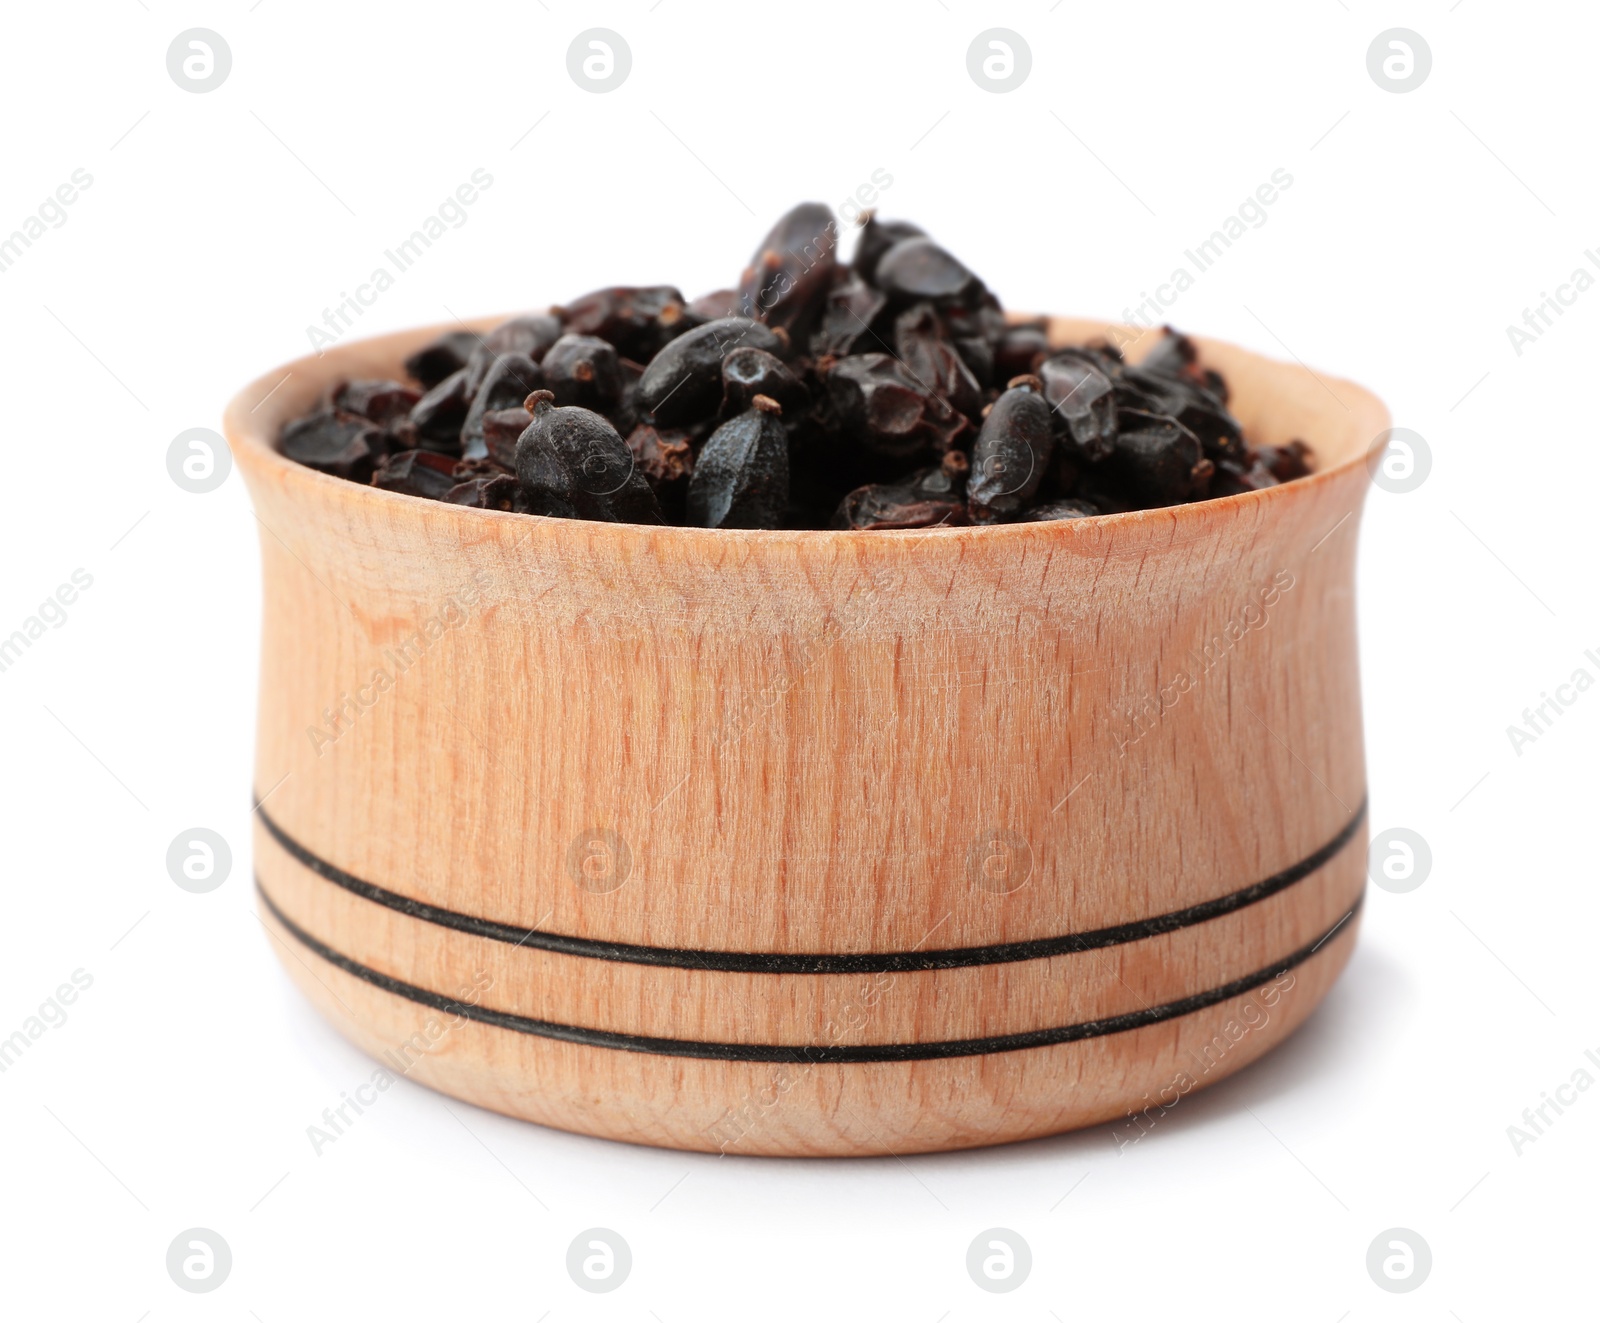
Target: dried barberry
792,270
438,415
636,321
416,473
877,237
1011,454
377,401
928,498
510,380
338,443
849,312
741,477
888,410
748,372
437,359
683,383
571,463
930,357
1082,402
583,370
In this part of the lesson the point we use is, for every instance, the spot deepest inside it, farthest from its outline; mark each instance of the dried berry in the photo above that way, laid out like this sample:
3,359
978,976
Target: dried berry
1155,461
1082,403
929,356
748,372
582,370
849,312
500,492
509,381
928,498
377,401
741,478
636,321
437,359
683,383
917,269
571,463
532,335
875,239
1021,349
792,270
1011,454
416,473
438,415
888,410
502,428
1066,509
338,443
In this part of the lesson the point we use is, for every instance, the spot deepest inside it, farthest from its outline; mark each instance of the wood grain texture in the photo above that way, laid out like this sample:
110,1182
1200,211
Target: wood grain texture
812,742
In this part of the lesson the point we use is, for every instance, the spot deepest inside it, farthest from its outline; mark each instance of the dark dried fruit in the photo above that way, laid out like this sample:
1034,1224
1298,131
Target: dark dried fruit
377,401
571,463
500,492
438,415
875,239
416,473
1011,454
848,314
792,270
1156,461
928,498
930,357
338,443
1082,403
888,410
741,478
858,396
583,370
917,269
748,372
511,378
683,383
437,359
1067,509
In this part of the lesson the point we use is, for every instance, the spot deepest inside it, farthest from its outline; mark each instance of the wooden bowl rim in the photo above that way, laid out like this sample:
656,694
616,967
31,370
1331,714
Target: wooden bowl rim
252,437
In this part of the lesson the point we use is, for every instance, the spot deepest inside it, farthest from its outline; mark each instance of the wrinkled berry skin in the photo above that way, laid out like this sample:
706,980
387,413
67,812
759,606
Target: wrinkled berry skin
929,498
875,239
338,443
1155,460
637,321
1066,509
377,401
932,359
438,415
582,370
532,335
849,313
887,410
416,473
792,270
741,477
509,380
1011,454
748,372
572,464
1082,402
918,269
683,383
502,429
437,359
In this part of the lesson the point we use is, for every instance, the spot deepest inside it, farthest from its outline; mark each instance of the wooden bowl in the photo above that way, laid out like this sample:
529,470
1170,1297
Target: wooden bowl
813,842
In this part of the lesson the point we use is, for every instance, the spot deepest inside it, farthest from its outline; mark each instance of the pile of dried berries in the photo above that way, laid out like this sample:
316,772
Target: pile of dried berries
889,392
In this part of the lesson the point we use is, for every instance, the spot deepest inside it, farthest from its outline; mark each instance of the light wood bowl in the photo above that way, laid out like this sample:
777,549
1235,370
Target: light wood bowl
813,842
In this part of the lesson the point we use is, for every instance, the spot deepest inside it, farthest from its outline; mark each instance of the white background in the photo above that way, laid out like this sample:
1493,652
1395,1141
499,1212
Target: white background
219,226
